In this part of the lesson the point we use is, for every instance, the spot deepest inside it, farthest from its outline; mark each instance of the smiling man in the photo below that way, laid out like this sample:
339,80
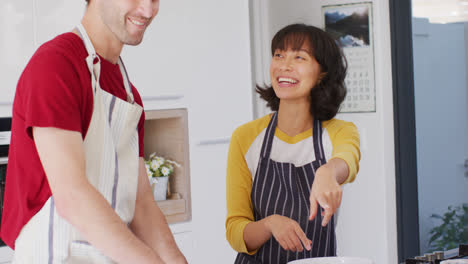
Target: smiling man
76,187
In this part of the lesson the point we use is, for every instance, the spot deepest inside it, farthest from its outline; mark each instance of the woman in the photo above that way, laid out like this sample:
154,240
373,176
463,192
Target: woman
285,169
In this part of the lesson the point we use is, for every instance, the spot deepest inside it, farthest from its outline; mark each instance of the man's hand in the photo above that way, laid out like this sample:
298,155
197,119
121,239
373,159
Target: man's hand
288,233
62,156
149,223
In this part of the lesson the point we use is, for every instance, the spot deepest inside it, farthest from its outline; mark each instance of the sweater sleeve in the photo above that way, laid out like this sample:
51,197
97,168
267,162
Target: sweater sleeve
346,146
238,190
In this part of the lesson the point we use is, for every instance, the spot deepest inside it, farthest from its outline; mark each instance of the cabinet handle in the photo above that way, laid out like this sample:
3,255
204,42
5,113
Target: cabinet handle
215,141
162,97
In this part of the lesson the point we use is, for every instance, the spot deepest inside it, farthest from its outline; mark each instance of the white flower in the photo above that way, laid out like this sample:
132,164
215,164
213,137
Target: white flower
152,155
148,170
155,164
170,167
160,160
165,171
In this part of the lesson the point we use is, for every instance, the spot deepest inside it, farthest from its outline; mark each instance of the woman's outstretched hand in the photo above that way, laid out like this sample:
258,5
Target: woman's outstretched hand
326,192
288,233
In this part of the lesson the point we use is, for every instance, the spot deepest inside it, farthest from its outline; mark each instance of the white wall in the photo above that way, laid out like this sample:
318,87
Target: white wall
367,221
196,55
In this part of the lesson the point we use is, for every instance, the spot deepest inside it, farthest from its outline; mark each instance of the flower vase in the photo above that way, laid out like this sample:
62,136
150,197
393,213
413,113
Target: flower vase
160,188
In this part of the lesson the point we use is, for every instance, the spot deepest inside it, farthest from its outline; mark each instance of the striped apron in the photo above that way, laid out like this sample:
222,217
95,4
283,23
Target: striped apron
284,189
111,154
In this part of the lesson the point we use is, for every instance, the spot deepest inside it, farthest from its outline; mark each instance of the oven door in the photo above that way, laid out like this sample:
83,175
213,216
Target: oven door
5,134
6,254
3,165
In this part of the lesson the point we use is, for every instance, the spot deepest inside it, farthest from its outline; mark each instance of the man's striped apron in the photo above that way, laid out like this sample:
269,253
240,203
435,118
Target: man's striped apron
111,153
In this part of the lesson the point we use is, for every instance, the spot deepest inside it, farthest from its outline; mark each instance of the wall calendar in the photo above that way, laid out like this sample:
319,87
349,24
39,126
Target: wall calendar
351,26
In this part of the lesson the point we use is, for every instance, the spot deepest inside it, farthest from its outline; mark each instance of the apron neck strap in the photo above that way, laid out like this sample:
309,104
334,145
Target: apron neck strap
318,146
93,59
269,136
126,80
84,36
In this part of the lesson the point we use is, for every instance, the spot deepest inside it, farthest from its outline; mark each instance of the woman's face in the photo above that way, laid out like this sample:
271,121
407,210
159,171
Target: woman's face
294,73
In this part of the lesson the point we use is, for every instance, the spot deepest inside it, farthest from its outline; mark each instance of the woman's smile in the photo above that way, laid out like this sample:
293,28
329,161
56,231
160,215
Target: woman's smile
287,81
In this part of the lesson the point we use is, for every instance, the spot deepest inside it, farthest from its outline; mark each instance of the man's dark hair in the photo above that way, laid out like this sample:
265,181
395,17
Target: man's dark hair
328,94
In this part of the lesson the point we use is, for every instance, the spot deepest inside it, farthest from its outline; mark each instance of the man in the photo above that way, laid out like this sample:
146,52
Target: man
76,188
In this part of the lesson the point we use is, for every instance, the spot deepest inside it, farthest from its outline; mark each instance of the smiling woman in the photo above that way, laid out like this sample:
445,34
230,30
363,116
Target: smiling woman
285,169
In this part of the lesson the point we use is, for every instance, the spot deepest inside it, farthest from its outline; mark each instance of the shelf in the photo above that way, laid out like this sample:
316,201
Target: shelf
166,133
174,210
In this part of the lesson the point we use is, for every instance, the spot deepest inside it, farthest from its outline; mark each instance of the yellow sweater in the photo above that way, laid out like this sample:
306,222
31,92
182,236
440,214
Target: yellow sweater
340,140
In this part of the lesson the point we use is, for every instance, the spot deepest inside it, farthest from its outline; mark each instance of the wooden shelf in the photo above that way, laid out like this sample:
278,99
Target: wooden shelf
174,210
166,133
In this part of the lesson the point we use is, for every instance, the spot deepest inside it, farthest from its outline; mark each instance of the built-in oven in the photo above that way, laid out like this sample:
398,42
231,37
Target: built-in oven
5,135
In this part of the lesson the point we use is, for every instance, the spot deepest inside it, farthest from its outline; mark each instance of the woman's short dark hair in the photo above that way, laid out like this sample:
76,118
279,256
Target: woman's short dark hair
330,91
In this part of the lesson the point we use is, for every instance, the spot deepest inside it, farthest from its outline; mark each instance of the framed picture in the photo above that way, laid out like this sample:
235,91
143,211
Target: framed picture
352,28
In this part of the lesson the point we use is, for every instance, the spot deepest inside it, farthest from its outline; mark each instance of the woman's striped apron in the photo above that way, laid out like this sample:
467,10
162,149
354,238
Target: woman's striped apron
284,189
111,153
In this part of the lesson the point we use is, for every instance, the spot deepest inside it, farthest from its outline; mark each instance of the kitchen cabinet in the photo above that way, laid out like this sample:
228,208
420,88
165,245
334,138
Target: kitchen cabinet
160,66
48,12
6,254
184,241
16,47
25,25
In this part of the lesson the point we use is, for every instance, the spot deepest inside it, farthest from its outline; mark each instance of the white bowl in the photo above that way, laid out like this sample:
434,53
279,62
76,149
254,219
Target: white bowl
455,261
333,260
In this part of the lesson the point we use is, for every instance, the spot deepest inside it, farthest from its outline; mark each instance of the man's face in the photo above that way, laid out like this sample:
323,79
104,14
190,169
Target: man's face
128,19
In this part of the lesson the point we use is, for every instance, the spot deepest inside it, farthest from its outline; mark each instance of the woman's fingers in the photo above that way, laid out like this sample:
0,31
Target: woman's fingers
327,216
303,238
329,200
287,244
291,242
295,242
313,207
289,233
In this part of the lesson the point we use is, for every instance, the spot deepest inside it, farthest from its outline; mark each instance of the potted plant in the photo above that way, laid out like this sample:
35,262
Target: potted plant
159,169
452,231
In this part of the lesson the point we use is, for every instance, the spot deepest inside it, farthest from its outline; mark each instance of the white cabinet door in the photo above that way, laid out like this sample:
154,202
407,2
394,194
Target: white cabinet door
16,47
54,17
185,243
208,181
220,91
198,53
159,66
6,254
